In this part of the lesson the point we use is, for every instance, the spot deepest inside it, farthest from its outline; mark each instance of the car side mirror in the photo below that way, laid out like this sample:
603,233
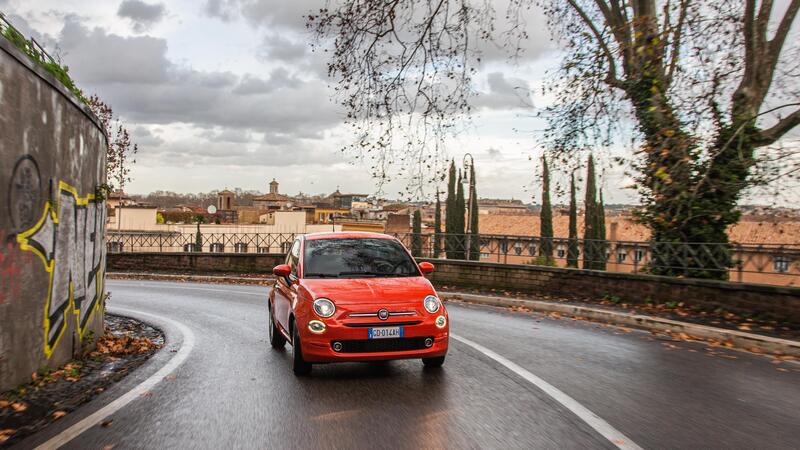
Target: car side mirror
282,270
426,267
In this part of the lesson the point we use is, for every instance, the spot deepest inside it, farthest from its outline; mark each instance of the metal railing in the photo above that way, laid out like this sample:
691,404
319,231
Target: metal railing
762,263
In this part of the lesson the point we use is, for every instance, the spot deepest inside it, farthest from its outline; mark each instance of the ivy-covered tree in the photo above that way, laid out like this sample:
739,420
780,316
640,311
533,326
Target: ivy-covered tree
572,245
590,217
546,217
416,237
437,227
705,91
474,232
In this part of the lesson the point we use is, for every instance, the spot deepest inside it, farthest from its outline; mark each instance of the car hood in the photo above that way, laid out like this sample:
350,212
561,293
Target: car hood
359,291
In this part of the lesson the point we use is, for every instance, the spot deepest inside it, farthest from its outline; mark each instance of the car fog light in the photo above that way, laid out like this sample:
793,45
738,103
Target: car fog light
441,322
316,327
337,346
428,342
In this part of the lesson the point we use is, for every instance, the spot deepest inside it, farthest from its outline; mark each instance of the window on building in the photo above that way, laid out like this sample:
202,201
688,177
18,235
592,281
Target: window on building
286,246
240,247
638,255
504,246
621,256
518,248
189,248
217,247
263,250
532,250
780,264
484,256
561,252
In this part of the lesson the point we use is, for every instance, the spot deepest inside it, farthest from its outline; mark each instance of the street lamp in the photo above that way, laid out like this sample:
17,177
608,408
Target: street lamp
469,179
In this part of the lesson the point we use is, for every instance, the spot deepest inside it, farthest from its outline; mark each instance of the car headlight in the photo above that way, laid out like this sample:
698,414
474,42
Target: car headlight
324,307
432,304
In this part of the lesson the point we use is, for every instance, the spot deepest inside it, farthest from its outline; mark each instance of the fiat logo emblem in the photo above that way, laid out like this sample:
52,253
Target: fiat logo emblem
383,314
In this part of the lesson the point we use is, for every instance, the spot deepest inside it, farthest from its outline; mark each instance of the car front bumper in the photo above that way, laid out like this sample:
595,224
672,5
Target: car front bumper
319,348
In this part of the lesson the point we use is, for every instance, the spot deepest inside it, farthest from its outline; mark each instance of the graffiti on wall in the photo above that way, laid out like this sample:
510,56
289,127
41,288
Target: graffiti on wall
68,239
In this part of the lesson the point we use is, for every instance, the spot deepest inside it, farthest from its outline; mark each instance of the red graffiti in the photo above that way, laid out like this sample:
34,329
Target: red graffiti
10,272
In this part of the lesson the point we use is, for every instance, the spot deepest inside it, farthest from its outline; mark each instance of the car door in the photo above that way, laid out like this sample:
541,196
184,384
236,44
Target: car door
286,289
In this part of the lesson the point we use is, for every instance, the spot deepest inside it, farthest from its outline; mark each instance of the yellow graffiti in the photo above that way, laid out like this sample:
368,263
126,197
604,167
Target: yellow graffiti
45,238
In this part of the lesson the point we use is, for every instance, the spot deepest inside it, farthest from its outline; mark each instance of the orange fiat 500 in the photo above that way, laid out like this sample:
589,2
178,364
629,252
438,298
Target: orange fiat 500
355,297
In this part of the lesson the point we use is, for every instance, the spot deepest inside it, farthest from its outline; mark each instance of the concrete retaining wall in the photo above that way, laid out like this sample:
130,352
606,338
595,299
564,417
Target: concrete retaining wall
782,303
52,226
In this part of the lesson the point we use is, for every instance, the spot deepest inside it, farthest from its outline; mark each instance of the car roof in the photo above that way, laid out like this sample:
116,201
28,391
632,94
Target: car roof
347,235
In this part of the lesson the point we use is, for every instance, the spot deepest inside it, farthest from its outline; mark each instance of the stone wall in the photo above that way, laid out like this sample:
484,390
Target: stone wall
52,267
245,263
780,302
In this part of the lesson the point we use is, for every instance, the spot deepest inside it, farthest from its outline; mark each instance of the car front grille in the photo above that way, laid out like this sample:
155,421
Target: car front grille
382,324
383,345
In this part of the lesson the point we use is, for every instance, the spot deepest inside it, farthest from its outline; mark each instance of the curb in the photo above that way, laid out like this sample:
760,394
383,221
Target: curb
173,277
746,341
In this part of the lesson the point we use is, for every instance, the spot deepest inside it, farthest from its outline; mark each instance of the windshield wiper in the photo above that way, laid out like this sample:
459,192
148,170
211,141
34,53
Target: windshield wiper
321,275
373,274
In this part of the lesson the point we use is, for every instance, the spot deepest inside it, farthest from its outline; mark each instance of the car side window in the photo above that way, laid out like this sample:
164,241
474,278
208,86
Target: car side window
293,258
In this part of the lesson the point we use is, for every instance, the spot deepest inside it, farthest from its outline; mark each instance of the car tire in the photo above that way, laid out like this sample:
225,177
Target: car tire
276,339
433,362
299,365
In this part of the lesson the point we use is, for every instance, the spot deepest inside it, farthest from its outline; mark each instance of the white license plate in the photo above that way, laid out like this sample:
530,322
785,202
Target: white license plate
385,332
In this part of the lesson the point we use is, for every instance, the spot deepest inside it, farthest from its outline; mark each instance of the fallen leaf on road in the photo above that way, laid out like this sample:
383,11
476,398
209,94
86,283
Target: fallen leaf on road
19,406
6,433
59,414
106,423
108,447
782,369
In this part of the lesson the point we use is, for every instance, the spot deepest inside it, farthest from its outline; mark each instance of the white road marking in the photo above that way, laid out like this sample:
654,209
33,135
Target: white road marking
591,419
95,418
236,291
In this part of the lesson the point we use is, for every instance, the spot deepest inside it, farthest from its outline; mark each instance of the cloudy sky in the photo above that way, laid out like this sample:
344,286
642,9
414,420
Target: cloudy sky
227,93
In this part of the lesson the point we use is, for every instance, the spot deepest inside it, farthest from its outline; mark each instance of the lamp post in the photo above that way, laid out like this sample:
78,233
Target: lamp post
468,179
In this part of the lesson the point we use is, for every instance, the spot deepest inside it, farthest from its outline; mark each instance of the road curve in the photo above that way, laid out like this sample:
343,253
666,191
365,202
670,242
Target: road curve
233,391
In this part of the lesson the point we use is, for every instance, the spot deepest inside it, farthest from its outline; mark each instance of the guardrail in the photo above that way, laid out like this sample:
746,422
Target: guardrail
759,263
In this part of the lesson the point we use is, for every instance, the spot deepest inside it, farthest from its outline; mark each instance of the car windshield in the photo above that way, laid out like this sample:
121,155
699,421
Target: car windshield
355,258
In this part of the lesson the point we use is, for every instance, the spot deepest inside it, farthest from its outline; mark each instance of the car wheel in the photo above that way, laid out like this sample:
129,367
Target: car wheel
433,362
299,365
276,339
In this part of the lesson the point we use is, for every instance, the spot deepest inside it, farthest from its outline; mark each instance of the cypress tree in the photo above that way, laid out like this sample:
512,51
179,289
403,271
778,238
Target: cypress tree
437,227
475,238
589,217
416,238
572,246
198,237
546,217
450,213
460,213
600,233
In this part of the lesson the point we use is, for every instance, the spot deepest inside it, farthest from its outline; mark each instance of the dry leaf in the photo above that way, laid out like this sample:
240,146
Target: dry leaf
59,414
106,423
19,406
6,433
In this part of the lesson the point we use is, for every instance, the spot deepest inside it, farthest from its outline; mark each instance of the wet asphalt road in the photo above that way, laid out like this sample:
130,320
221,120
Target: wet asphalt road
234,391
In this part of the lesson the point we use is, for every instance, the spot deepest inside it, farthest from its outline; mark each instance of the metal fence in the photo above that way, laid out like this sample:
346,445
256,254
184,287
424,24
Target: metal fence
761,263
